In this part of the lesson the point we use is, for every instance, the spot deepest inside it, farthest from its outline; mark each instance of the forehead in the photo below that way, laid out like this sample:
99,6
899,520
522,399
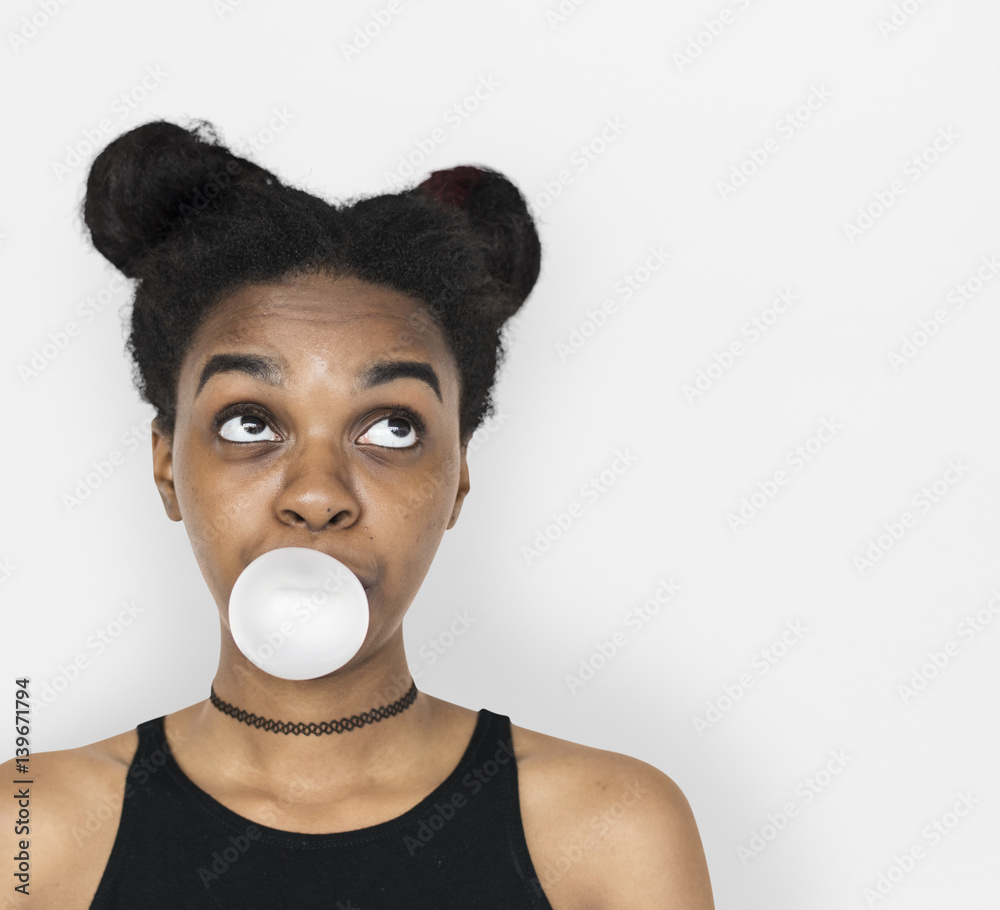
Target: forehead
323,320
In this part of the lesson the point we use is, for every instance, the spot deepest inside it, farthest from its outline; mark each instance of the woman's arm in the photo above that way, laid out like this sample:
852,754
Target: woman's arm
657,859
607,831
74,804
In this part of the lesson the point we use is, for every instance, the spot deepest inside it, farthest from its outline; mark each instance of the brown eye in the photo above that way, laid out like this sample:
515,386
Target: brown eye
393,433
246,427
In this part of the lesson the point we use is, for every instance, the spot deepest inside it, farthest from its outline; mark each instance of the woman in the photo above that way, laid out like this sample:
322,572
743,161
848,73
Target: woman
317,373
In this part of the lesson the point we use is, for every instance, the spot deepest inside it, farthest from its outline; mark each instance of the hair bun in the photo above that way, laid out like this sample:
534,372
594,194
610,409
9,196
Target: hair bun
147,182
452,187
500,215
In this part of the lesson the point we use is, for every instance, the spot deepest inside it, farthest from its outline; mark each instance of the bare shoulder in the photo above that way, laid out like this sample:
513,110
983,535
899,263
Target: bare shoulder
66,818
606,830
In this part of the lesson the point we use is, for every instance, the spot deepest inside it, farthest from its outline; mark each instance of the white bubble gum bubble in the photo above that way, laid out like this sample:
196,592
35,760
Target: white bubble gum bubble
297,613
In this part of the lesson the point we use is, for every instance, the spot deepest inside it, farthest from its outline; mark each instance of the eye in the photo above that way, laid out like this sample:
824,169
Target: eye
244,424
399,430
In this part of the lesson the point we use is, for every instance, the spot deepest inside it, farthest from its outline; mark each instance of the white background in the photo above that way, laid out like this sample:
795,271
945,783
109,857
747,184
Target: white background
277,74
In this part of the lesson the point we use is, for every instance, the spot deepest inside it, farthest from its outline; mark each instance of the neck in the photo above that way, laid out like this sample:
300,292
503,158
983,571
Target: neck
322,728
380,680
264,755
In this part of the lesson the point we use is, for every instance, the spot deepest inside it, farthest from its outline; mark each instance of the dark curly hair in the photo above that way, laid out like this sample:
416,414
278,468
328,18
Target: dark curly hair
191,222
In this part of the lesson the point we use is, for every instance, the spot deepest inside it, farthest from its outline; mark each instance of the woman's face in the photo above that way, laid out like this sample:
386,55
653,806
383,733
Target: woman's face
285,436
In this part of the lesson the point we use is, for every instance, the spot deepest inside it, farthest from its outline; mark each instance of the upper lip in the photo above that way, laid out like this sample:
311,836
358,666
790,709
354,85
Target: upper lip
366,580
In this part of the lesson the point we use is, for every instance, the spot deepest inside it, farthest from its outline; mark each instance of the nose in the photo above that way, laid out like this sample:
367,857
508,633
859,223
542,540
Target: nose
318,489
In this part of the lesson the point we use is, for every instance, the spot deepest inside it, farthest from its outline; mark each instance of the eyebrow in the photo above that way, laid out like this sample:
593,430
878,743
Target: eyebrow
274,370
387,370
271,370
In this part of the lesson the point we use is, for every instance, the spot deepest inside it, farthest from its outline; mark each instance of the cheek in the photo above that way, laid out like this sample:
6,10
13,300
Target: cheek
425,506
217,516
418,515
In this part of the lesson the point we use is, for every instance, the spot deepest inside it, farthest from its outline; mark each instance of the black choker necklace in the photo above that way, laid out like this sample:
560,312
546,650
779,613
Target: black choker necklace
327,726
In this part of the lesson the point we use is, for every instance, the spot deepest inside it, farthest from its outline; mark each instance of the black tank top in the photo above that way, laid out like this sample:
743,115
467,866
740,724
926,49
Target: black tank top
461,847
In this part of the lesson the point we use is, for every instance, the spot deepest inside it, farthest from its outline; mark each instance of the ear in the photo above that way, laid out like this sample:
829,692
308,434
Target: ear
163,472
463,487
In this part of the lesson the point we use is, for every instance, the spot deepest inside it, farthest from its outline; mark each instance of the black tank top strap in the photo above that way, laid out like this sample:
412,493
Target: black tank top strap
496,759
152,746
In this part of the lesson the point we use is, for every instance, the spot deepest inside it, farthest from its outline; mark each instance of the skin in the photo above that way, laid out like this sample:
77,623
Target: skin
322,471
